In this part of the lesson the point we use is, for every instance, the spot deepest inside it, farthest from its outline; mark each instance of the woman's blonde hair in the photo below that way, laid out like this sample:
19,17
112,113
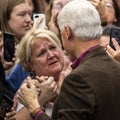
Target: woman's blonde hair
24,51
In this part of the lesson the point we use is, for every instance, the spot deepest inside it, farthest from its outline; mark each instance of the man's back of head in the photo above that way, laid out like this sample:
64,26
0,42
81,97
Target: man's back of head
82,18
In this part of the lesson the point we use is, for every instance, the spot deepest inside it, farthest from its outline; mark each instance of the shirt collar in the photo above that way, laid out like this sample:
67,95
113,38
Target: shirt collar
77,61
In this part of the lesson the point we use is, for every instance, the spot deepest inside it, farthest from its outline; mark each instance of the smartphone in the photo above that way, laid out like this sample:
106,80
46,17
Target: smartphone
115,33
35,18
9,46
5,105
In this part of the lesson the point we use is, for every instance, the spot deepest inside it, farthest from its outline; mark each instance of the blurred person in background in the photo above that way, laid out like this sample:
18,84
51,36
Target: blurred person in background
18,21
105,42
4,86
41,6
116,4
52,11
15,17
12,13
110,12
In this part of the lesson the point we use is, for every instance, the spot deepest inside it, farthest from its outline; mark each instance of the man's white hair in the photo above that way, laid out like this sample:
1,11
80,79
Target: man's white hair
82,18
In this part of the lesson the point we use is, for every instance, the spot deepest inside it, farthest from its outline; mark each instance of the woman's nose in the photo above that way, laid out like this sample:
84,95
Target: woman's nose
28,18
50,54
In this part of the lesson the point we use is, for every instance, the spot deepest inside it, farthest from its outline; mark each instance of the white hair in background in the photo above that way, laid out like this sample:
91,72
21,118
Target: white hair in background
83,19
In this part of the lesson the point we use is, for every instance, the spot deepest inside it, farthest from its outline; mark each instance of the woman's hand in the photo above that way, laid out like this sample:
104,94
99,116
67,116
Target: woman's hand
6,65
39,22
47,89
28,95
114,53
11,115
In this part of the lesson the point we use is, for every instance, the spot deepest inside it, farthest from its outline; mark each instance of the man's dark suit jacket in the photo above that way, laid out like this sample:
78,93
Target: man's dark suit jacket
91,91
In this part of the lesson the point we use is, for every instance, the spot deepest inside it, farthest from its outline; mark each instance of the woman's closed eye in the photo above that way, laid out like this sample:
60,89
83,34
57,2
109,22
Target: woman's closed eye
52,47
22,14
42,52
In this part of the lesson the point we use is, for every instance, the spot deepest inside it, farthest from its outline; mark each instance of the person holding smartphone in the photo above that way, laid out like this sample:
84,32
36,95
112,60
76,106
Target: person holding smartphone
18,21
23,20
4,89
114,53
105,42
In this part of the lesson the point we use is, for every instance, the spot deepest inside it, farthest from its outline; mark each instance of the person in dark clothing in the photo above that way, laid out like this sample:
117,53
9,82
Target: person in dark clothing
3,83
4,89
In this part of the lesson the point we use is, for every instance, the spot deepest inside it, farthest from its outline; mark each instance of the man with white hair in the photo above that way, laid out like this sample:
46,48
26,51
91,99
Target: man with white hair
92,90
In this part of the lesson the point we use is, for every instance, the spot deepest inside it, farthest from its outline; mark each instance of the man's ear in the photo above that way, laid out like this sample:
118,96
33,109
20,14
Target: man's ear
68,33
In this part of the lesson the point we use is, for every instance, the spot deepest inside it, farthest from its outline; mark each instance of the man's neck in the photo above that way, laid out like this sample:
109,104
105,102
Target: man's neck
82,46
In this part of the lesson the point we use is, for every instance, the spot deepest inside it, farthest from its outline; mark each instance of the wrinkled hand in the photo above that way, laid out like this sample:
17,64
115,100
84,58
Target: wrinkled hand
11,115
114,53
48,89
28,96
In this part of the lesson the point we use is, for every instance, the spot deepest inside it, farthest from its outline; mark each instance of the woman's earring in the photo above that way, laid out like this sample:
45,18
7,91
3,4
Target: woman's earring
32,74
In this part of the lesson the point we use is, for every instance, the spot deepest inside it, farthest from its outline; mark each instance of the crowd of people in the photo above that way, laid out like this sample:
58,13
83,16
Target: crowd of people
66,70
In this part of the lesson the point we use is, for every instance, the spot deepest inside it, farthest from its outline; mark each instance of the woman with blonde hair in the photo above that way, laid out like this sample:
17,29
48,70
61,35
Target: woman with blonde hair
40,52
